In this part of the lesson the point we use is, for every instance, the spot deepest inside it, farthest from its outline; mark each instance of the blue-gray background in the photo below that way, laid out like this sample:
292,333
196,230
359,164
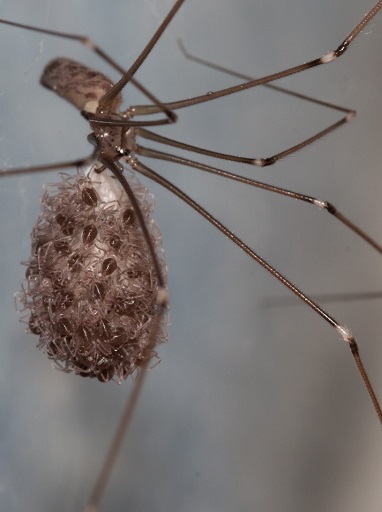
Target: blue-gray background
250,408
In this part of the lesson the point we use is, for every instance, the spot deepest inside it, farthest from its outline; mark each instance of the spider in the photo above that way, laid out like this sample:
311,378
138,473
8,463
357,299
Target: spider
216,328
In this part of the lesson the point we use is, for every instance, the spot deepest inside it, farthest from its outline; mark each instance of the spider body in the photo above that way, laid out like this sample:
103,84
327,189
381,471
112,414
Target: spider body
229,348
91,287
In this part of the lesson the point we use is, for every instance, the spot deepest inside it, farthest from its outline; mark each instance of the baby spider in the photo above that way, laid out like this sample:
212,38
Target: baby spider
142,133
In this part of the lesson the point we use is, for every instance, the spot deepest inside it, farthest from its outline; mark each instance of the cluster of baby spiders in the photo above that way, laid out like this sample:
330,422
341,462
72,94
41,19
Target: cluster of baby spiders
90,286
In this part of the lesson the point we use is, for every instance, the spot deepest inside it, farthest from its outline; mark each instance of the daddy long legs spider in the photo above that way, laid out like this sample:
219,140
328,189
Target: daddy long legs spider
229,431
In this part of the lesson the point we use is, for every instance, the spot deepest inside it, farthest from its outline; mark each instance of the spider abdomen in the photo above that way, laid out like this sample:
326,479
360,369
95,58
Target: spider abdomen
78,84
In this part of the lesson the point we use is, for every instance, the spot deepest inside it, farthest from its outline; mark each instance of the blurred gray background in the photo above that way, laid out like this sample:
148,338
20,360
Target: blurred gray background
251,408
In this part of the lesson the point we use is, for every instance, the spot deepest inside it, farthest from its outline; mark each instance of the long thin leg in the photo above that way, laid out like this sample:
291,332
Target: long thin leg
82,162
324,59
109,96
259,162
343,331
319,203
125,421
278,88
109,120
